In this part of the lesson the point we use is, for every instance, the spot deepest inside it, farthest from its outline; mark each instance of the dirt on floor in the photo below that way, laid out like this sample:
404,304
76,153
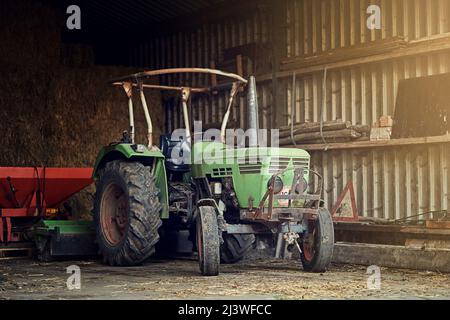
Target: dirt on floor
180,279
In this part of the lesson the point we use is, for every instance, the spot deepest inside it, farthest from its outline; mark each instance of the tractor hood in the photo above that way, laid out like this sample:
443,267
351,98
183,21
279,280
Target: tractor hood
250,168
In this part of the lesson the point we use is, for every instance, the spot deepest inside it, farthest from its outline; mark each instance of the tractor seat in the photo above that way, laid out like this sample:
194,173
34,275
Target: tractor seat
178,147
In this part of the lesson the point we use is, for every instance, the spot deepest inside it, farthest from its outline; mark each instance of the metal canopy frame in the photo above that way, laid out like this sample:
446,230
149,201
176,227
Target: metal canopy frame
137,80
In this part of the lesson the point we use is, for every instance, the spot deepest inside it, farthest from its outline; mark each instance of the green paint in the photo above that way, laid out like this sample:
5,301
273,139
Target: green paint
214,161
123,151
161,182
250,179
45,227
147,157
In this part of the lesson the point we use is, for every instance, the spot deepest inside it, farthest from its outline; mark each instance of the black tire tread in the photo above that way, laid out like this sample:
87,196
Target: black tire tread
324,247
210,262
144,215
235,247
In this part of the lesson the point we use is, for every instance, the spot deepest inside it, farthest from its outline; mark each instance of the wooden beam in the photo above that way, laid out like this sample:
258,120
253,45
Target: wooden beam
375,144
424,46
392,256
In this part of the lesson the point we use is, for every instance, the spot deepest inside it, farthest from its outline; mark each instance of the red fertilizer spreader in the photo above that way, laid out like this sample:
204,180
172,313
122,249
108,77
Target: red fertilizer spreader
30,198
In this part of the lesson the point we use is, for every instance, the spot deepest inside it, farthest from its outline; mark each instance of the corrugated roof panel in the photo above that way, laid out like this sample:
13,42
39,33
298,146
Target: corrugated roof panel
134,14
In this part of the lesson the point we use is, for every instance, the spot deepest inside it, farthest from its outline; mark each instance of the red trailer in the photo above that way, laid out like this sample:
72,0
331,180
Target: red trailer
29,195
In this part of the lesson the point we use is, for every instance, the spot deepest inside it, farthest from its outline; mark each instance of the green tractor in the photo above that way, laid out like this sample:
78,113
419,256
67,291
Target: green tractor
220,194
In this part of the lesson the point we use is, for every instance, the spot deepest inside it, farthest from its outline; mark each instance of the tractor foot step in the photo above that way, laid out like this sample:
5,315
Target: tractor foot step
16,252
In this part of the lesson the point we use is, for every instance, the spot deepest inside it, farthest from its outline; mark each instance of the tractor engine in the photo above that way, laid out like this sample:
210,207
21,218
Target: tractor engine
181,203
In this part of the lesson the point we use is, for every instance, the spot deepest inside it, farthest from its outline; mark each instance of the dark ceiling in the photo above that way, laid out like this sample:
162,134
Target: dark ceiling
110,26
106,17
110,15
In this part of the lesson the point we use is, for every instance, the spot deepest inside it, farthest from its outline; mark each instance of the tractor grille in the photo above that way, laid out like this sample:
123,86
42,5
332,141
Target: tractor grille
250,168
281,163
222,172
249,165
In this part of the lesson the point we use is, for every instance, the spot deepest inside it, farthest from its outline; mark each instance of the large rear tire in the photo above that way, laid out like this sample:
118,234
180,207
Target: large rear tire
126,213
317,247
235,247
208,242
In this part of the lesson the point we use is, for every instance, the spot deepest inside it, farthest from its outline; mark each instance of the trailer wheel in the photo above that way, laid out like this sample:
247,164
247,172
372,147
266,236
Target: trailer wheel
317,247
208,241
126,213
235,247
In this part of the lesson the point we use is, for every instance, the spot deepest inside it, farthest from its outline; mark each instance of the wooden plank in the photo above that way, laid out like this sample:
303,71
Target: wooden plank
376,144
389,228
345,133
341,54
420,47
424,244
433,224
315,126
392,256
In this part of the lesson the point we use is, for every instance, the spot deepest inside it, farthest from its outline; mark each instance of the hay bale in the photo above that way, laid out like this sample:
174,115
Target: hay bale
30,34
87,113
58,109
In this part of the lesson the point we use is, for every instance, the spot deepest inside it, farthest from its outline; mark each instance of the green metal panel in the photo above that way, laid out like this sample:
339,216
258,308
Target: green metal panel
43,227
249,168
123,150
147,157
160,176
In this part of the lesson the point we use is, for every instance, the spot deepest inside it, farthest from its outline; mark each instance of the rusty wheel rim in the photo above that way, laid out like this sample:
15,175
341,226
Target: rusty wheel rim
114,213
309,243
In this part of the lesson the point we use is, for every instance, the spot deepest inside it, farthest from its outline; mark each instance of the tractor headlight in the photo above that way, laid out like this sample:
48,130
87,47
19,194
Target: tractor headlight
301,187
140,148
217,188
277,185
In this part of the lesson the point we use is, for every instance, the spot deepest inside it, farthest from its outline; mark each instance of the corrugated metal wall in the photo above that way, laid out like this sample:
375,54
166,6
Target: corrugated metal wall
360,94
390,182
197,48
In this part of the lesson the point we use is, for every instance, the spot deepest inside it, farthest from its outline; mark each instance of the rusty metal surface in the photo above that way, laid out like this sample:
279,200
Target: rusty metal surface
142,76
289,212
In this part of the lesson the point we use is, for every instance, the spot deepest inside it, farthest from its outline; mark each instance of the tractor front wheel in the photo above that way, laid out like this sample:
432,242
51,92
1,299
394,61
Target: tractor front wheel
126,213
208,242
318,243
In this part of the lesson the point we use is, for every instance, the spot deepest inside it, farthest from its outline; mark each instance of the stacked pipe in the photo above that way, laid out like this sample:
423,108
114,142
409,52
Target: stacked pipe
336,131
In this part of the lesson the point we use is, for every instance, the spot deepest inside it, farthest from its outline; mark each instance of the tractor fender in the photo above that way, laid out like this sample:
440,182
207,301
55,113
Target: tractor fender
151,158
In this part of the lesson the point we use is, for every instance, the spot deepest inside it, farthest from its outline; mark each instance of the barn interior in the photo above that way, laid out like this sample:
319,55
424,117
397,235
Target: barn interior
361,85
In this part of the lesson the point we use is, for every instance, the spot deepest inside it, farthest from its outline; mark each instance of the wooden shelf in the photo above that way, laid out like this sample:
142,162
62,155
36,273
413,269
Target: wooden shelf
424,46
373,144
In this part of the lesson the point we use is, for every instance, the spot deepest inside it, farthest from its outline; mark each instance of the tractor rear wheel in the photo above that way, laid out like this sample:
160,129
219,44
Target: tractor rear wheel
235,247
317,246
208,242
126,213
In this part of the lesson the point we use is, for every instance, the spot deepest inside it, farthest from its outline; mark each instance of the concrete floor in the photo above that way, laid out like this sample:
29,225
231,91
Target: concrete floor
179,279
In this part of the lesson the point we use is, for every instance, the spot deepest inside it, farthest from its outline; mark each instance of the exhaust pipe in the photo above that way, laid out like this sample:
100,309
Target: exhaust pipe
252,113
